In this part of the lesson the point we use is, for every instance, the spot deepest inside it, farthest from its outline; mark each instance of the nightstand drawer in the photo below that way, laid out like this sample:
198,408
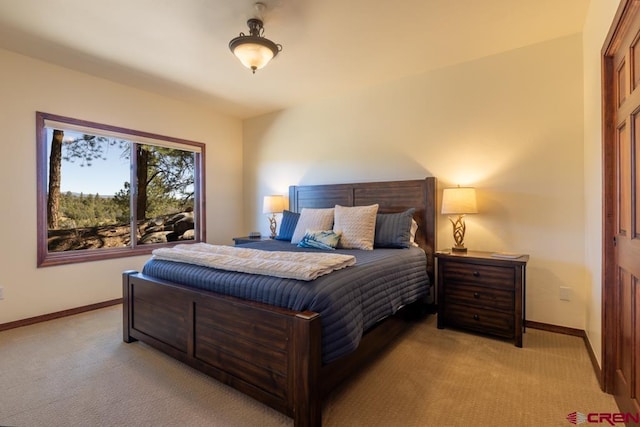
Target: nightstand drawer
481,320
475,274
479,296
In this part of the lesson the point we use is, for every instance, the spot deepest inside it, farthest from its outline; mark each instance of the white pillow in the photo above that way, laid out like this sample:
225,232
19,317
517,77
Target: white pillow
312,219
357,225
414,229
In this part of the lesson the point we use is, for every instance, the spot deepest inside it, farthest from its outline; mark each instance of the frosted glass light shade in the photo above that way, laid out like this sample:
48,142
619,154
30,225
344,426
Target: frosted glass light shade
253,55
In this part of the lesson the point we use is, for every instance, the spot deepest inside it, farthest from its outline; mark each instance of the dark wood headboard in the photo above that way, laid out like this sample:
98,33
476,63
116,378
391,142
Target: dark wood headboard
391,196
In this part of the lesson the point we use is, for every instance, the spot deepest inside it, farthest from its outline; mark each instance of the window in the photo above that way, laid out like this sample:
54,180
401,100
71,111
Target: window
108,192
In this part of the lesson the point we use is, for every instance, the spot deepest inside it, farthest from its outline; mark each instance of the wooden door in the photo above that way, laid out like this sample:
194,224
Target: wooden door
621,292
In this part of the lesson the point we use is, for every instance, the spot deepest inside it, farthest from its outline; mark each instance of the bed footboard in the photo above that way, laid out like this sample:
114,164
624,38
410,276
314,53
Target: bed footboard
269,353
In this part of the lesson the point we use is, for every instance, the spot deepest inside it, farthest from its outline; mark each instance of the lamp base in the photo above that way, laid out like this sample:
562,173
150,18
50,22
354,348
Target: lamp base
458,234
272,226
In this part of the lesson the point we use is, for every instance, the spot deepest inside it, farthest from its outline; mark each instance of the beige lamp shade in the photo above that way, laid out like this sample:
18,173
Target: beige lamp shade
459,201
273,204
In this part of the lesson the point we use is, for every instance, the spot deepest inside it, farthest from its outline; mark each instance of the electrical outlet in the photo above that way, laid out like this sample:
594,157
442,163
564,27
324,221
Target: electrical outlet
1,293
565,293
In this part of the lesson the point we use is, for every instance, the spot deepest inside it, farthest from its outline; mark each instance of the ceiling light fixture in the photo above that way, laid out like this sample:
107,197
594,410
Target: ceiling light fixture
254,50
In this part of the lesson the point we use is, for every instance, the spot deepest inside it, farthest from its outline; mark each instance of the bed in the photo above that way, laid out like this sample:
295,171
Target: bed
276,354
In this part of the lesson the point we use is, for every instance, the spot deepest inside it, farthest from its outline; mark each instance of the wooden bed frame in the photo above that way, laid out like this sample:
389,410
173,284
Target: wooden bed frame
270,353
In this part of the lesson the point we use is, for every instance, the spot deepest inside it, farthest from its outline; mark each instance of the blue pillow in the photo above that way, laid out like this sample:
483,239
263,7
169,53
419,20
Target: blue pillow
320,239
288,225
393,230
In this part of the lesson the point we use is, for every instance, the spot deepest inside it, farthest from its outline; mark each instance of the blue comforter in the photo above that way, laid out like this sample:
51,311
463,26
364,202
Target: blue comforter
350,301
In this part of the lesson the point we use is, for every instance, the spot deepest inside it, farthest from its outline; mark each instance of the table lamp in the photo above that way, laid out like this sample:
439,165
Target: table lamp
459,201
273,205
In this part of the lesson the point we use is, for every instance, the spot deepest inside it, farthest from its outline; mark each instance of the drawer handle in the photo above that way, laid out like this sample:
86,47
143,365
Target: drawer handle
476,295
476,273
476,317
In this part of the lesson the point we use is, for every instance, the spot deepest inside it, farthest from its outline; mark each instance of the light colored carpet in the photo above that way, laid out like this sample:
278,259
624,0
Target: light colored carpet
76,371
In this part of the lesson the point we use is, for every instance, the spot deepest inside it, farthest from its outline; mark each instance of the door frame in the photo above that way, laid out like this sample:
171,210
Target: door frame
610,332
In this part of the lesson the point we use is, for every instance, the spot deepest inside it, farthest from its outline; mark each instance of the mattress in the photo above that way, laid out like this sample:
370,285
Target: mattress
349,301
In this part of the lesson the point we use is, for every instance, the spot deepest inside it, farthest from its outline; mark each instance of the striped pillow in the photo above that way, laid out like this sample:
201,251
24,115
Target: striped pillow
287,225
394,230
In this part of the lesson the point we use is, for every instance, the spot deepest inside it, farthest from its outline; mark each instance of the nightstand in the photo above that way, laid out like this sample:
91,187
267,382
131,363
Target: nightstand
246,239
482,293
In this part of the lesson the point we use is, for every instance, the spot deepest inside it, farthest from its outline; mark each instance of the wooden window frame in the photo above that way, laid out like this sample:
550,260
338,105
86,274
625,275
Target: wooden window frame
46,258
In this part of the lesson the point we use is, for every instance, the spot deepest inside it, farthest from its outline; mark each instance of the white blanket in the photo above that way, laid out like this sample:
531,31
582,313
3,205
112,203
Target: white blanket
290,265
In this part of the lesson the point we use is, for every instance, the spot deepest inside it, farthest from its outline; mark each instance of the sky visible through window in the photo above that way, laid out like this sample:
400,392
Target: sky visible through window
103,177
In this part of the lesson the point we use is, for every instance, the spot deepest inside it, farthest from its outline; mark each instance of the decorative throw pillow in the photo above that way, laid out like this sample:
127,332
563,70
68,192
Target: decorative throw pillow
394,230
287,225
312,219
324,239
357,225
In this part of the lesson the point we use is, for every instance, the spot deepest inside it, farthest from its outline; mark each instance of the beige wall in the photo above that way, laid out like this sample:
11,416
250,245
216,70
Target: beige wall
599,18
27,86
510,125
